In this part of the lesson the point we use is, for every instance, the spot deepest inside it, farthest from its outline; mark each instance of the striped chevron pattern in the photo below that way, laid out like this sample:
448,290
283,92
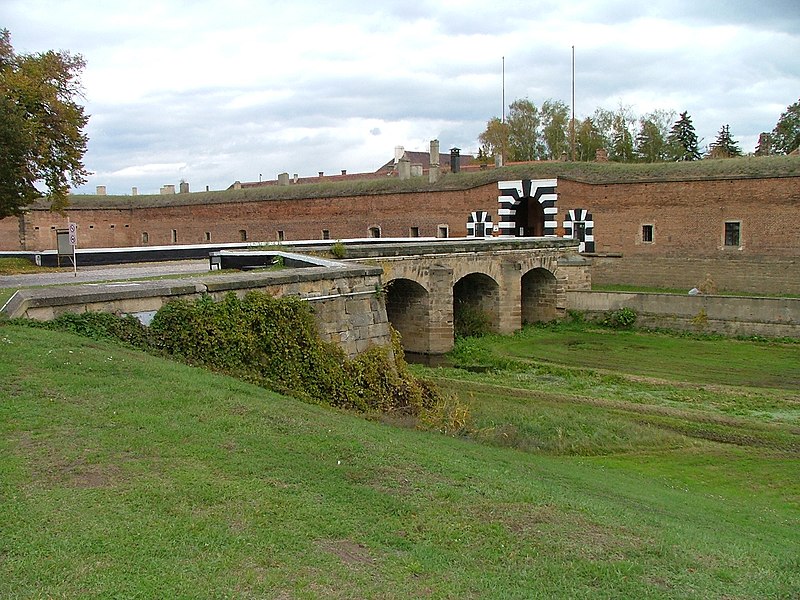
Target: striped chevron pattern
578,223
512,193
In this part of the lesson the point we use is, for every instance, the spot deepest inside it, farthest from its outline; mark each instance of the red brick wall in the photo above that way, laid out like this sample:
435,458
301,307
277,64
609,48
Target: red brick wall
347,217
687,217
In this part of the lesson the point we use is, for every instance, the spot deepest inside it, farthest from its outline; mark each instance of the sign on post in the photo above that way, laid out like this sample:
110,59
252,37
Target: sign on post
73,242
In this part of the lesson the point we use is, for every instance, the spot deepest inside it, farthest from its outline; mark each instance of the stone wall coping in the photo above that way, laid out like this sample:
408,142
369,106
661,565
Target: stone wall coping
428,248
109,292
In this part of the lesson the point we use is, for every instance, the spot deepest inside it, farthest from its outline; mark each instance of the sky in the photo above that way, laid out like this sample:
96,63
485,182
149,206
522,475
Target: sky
214,92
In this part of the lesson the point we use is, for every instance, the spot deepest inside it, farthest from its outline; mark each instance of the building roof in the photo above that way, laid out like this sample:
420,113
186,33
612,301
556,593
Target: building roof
424,159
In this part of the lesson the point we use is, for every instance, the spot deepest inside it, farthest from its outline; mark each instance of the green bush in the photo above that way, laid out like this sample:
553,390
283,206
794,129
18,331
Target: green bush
338,250
471,321
98,326
273,342
622,318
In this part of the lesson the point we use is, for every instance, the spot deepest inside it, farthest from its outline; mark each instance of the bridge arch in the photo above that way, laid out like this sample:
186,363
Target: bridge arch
408,310
539,296
476,297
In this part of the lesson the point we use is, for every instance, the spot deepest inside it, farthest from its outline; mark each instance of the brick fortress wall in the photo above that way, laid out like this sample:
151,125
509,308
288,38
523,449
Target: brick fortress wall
687,220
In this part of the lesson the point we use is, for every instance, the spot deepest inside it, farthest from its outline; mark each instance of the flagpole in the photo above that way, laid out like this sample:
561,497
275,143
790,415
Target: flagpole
573,103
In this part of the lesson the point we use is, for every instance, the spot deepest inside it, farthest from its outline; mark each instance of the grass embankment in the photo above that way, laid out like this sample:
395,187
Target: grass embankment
587,172
124,475
654,290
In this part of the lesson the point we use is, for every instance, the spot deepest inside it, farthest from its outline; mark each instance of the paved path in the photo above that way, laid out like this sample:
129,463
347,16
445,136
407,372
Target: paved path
106,273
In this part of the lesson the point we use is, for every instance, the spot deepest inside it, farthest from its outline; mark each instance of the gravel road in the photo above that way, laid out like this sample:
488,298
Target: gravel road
106,273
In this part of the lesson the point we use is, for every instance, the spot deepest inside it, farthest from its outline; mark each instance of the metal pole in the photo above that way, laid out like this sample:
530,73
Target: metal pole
504,89
573,103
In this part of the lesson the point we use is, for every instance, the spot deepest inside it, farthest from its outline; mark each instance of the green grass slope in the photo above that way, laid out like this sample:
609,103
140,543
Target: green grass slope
127,476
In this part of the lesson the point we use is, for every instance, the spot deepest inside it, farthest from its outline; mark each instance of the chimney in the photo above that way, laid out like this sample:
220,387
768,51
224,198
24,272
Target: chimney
344,171
134,191
184,187
404,169
455,160
398,153
321,174
283,179
295,178
434,152
433,174
101,190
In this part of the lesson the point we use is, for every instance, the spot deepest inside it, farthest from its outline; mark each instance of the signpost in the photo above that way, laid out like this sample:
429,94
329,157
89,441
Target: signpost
73,241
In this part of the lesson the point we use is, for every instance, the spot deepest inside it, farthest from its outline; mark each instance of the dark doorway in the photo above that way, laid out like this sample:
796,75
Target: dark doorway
529,218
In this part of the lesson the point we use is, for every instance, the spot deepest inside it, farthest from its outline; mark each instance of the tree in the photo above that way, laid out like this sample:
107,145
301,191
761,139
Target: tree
41,127
494,140
555,126
621,147
764,147
724,146
524,141
651,141
682,139
588,140
786,135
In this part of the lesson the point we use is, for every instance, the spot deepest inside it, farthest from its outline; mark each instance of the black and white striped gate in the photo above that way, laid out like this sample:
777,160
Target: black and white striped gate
512,193
579,225
479,224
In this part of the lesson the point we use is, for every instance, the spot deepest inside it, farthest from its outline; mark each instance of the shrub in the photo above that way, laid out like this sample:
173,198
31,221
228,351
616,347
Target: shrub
273,342
622,318
98,326
471,321
338,250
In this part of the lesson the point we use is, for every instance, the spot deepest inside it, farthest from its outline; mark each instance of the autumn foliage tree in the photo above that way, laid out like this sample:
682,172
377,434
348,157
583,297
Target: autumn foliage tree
41,127
786,135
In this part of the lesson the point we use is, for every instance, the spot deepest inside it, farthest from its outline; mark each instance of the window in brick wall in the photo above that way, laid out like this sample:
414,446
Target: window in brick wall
145,237
174,236
413,232
733,231
374,232
647,234
242,235
280,235
443,231
326,234
207,236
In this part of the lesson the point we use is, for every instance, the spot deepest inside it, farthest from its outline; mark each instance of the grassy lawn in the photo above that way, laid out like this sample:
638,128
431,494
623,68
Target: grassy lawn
613,287
124,475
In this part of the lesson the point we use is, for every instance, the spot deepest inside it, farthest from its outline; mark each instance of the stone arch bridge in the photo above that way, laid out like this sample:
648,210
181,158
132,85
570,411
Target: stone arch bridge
431,287
422,288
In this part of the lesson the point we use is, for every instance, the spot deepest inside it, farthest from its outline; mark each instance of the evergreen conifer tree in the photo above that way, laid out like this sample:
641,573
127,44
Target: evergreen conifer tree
724,146
683,139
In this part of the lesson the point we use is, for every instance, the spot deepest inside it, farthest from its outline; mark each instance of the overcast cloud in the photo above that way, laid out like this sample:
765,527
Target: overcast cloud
213,92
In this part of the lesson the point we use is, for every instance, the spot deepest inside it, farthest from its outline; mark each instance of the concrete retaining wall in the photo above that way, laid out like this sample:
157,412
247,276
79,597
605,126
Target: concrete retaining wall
348,310
732,315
